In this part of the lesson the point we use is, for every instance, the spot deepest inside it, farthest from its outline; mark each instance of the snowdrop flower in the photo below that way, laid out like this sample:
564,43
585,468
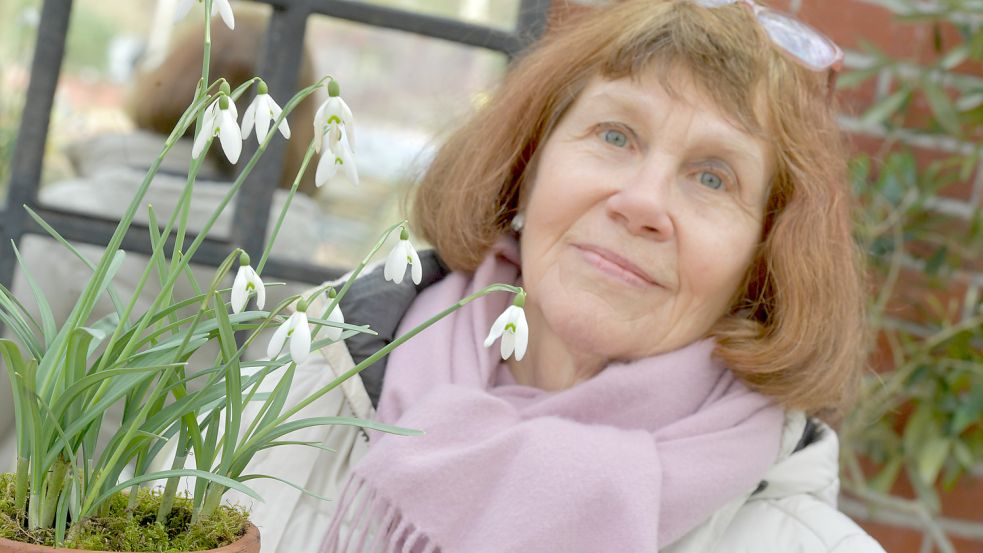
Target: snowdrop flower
297,330
511,326
262,110
333,113
336,316
246,281
220,6
333,124
220,120
403,254
338,153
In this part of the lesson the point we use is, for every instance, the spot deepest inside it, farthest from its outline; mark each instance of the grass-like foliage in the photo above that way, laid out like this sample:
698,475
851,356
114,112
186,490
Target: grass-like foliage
66,377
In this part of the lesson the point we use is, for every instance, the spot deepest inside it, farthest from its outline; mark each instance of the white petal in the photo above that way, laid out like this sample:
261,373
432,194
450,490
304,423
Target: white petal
201,141
260,287
182,9
263,117
276,111
336,316
225,10
497,327
228,132
319,122
508,344
396,263
344,153
279,337
326,168
240,296
248,119
346,116
521,335
416,267
300,339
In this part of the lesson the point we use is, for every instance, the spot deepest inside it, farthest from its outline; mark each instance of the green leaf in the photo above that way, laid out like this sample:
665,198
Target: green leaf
164,474
931,457
48,326
247,477
884,109
945,112
852,79
935,262
886,477
954,57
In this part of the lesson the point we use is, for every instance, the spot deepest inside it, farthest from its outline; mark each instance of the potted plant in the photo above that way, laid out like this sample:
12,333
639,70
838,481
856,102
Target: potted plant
70,490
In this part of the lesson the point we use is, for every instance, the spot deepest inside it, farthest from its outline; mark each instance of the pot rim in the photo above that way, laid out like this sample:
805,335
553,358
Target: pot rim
242,545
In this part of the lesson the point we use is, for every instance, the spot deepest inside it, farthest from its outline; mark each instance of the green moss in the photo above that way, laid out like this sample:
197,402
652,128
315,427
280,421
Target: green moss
131,530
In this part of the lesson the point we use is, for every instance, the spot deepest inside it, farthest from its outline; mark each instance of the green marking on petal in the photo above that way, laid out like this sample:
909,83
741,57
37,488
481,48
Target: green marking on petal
409,260
338,161
510,327
334,119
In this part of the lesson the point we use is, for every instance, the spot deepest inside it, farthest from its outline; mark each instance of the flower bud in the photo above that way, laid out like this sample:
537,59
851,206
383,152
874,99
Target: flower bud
403,234
223,87
261,88
223,101
301,306
520,299
332,294
243,258
334,89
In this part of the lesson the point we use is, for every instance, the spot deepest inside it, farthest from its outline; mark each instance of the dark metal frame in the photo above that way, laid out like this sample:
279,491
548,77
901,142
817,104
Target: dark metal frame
279,65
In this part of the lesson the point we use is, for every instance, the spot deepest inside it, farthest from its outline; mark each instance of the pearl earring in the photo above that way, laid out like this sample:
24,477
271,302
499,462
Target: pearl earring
518,222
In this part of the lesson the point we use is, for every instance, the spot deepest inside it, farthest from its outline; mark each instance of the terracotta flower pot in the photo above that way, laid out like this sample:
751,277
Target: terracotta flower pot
248,543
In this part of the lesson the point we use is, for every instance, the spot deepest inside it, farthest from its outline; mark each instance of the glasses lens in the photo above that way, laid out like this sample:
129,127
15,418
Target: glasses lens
799,39
715,3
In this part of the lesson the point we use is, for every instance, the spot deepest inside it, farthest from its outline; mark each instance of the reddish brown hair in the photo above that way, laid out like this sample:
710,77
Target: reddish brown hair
796,330
160,96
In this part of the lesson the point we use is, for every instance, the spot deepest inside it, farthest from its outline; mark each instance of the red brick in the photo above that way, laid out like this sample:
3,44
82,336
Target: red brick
914,298
851,22
966,546
963,501
895,539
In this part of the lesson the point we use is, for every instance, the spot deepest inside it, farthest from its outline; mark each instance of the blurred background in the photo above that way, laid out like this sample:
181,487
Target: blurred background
912,110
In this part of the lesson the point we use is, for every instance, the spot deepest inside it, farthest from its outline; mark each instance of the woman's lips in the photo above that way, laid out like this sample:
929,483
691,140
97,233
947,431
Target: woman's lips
615,265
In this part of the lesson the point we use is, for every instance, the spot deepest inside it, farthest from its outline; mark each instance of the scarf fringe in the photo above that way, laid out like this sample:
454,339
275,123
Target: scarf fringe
374,525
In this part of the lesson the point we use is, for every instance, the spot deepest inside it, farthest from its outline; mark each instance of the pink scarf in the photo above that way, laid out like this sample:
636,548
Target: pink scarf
629,460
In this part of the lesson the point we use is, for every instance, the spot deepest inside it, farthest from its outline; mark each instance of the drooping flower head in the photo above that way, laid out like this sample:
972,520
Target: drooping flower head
402,255
247,281
262,111
221,6
296,329
333,124
511,326
219,120
336,316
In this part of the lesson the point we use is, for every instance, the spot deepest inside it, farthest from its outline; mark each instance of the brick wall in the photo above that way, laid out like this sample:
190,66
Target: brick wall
849,23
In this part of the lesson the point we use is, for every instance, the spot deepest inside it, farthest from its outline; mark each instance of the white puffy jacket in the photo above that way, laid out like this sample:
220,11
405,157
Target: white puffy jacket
793,511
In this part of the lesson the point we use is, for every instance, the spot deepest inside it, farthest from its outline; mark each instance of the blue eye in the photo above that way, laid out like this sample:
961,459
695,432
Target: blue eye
616,138
711,180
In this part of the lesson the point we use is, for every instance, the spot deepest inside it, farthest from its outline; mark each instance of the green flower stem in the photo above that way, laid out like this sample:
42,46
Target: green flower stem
354,274
378,355
236,185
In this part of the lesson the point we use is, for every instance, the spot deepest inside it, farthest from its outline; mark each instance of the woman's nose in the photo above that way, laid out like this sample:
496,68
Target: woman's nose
642,203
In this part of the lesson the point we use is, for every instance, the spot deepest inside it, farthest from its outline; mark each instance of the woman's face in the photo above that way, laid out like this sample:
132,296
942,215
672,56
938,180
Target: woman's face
643,218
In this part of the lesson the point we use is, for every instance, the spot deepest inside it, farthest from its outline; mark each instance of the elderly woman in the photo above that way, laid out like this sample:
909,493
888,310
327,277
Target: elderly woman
667,182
